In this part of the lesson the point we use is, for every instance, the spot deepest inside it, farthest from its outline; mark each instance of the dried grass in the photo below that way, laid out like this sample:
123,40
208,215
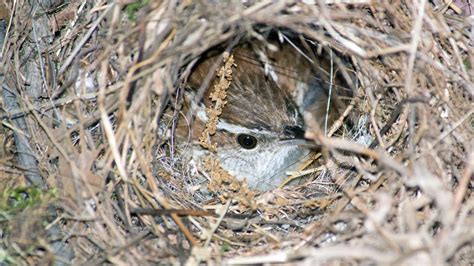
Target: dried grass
406,201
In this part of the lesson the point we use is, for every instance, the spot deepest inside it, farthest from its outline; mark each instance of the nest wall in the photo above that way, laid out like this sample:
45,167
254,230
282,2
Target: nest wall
91,91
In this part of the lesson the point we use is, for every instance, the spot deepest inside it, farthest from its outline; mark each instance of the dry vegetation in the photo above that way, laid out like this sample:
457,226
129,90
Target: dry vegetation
89,88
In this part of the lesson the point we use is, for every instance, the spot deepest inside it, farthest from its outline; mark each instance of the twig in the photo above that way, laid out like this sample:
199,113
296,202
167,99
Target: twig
84,39
25,156
217,223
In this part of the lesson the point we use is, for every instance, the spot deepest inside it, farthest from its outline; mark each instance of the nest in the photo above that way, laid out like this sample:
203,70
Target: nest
92,175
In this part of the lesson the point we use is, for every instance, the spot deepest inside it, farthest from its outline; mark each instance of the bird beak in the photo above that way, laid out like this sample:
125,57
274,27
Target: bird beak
293,135
292,132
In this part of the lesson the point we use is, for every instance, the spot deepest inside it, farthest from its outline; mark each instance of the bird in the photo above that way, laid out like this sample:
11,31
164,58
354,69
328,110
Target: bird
260,129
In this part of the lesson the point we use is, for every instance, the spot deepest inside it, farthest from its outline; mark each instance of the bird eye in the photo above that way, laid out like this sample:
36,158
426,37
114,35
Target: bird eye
247,141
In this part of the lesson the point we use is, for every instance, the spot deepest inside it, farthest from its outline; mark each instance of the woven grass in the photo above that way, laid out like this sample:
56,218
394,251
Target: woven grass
97,86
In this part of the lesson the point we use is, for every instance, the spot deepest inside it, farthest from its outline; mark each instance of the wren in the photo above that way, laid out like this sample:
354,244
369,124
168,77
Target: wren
258,130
